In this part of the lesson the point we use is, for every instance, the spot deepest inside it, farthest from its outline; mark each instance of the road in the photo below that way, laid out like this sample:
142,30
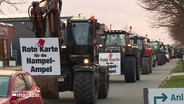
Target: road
126,93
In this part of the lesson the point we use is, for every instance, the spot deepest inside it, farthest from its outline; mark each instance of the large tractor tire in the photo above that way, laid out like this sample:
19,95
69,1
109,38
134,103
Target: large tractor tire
85,87
103,89
48,86
138,72
161,59
130,69
136,52
146,65
154,58
154,63
151,64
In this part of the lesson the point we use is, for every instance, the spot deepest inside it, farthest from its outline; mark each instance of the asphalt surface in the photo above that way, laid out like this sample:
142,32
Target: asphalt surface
126,93
121,92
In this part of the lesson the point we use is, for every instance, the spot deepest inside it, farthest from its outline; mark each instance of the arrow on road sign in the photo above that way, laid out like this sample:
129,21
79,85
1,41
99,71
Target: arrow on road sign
163,97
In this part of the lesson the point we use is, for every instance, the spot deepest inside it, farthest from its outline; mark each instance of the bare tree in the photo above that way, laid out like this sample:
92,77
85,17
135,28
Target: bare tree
167,13
12,3
163,10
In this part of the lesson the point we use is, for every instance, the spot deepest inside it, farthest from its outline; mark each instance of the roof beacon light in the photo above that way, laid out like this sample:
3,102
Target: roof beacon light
92,16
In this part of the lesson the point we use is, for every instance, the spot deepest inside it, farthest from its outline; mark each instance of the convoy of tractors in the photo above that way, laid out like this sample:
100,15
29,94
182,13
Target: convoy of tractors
89,53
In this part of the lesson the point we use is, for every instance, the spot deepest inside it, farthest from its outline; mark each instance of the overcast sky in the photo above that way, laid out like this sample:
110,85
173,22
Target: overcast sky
120,14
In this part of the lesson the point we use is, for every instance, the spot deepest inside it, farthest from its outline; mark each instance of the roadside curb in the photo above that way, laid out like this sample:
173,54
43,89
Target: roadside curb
177,74
164,81
172,74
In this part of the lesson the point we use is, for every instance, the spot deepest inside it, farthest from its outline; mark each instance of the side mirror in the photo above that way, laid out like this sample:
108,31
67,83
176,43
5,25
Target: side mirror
63,26
97,26
148,40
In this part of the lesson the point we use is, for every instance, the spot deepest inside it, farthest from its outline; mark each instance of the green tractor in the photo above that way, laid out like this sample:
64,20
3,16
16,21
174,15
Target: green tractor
158,50
119,55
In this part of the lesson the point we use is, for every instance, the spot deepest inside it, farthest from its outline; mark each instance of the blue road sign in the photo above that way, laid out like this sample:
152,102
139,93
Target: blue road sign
164,96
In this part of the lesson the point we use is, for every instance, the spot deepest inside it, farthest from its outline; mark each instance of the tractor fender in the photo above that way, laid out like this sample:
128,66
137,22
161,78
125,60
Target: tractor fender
147,52
103,69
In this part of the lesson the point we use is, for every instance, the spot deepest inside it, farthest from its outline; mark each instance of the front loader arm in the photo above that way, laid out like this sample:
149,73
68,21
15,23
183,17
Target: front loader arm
38,19
45,17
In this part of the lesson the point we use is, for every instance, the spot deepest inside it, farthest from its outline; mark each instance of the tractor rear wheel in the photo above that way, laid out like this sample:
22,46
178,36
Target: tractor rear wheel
103,89
146,65
136,52
151,64
161,58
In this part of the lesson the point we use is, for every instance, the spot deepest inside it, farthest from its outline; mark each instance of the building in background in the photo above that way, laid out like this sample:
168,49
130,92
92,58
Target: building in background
21,26
6,39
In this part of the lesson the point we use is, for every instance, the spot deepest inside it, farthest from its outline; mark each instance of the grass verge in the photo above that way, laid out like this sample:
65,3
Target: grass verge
175,81
179,67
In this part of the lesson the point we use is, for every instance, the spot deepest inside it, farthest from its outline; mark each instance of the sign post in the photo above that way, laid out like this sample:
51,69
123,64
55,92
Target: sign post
182,60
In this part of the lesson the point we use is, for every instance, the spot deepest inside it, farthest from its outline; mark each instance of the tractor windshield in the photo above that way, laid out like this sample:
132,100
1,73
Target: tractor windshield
4,86
80,33
80,38
154,44
138,42
115,40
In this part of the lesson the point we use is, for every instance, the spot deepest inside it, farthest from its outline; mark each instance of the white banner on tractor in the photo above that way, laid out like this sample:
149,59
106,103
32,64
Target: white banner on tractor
40,56
113,60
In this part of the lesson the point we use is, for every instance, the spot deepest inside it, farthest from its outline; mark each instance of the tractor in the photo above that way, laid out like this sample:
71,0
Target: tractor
120,55
80,70
158,49
147,58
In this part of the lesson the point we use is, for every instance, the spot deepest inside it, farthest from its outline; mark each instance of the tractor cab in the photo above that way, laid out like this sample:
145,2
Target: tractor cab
118,41
80,40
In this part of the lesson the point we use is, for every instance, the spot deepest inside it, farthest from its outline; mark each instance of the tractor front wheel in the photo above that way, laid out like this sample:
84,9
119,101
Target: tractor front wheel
130,69
85,87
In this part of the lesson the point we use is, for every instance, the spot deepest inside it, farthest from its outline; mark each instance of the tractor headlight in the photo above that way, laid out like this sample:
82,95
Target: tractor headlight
129,45
86,61
63,46
100,45
167,55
